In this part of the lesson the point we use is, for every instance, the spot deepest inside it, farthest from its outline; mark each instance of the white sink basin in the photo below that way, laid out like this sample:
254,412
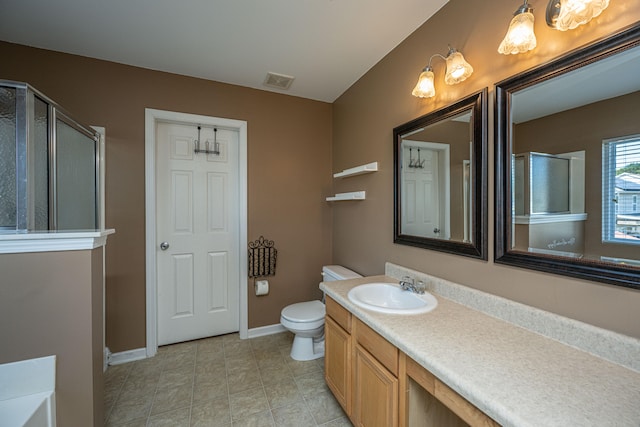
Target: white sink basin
391,298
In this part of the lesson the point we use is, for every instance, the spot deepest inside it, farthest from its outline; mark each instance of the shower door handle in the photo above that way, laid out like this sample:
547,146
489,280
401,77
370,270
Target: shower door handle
164,246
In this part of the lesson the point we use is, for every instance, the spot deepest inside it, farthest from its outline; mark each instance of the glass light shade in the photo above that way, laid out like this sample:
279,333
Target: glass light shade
425,87
578,12
520,37
457,68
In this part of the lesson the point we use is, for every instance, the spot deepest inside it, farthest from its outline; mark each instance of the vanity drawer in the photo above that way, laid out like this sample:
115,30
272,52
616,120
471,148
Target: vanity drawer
380,348
338,313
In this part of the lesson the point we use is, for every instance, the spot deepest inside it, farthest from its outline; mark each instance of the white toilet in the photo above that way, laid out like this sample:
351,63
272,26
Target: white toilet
306,319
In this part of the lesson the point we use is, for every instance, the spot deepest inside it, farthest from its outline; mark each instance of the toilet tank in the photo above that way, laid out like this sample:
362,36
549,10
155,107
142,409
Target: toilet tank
331,273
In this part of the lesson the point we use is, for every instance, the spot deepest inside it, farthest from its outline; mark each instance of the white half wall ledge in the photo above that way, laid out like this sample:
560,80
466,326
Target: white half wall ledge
12,242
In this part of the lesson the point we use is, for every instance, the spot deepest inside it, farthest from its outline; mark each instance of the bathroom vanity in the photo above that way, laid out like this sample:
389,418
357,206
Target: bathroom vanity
367,373
476,360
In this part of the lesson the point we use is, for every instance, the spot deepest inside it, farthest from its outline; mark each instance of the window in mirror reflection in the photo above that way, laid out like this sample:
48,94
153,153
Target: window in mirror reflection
621,188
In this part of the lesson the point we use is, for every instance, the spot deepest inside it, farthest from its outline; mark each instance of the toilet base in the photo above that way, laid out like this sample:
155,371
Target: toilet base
307,348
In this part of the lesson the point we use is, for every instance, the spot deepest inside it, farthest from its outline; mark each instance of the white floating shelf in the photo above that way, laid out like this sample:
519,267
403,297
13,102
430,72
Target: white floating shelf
354,195
358,170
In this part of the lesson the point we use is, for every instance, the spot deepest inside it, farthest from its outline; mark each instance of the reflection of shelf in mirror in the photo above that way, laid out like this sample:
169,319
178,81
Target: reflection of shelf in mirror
358,170
354,195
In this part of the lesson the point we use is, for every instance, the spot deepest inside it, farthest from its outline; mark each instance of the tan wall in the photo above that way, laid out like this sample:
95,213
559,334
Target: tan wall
366,114
289,171
51,304
584,129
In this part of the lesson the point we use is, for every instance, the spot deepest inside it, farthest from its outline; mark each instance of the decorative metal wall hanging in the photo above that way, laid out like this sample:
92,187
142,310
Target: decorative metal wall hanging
262,258
216,144
415,163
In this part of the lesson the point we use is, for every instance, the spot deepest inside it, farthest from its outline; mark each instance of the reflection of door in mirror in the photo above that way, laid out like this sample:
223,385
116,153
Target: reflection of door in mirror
425,189
433,203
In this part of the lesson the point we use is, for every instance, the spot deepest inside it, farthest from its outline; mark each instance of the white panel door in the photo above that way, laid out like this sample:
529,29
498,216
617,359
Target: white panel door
420,194
197,217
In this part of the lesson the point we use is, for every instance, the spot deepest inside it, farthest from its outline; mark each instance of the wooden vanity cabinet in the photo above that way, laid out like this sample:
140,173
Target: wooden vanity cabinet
337,353
361,369
375,391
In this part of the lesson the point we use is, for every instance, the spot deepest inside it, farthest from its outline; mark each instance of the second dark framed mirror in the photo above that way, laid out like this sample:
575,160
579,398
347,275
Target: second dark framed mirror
440,179
568,164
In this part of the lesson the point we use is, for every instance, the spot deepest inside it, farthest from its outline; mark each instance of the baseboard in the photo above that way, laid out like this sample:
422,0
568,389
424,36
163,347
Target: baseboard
265,330
141,353
105,359
127,356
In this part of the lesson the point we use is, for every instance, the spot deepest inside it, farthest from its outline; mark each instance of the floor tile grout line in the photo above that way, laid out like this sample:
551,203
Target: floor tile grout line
264,391
118,394
193,381
256,349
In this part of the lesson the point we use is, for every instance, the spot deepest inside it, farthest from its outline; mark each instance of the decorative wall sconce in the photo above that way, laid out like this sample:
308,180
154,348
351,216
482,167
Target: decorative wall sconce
520,37
566,15
561,14
457,70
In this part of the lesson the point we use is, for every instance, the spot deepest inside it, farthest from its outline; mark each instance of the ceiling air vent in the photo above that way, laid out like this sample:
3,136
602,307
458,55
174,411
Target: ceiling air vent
279,81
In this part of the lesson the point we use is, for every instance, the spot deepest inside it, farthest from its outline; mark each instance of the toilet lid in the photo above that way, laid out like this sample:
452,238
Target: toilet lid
308,311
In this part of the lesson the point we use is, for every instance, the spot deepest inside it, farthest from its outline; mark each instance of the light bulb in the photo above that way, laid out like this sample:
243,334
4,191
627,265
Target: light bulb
573,13
520,37
457,68
425,87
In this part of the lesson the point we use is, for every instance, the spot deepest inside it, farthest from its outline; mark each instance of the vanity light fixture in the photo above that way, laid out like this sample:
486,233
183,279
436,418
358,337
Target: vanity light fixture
566,15
457,71
520,37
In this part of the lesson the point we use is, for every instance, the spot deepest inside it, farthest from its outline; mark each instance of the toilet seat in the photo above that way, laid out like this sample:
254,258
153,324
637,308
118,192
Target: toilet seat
304,312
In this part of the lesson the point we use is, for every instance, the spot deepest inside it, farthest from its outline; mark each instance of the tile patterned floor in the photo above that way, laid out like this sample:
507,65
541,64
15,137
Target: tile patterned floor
221,381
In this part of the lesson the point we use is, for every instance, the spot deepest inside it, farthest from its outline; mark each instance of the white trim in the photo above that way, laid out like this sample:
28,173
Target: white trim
151,117
53,241
262,331
127,356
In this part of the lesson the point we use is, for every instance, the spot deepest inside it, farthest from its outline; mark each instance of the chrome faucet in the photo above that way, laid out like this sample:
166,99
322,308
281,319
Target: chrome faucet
408,284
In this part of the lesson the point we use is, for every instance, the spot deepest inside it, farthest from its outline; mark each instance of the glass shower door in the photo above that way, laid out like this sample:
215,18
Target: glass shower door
75,179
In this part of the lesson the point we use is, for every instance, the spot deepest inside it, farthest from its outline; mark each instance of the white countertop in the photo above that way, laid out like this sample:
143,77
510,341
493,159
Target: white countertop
516,376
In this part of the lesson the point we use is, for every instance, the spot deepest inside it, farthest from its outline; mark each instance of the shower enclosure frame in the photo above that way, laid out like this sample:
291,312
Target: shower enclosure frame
25,96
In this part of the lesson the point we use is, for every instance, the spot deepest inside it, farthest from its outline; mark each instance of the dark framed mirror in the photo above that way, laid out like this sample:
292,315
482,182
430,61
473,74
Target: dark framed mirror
440,179
568,164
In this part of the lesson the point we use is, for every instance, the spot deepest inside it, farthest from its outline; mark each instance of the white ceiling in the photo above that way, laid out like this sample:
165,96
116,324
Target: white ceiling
327,45
608,78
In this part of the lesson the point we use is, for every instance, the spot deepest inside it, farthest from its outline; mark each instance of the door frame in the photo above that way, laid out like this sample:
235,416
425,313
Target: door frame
152,116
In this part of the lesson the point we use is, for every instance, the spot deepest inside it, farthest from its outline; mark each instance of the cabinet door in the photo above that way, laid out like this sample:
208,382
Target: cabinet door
337,363
375,392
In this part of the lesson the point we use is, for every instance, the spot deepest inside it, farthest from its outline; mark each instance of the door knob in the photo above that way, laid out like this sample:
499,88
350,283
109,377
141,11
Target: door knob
164,246
435,230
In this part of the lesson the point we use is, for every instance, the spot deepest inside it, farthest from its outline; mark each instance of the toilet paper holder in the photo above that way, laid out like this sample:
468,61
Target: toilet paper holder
262,258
